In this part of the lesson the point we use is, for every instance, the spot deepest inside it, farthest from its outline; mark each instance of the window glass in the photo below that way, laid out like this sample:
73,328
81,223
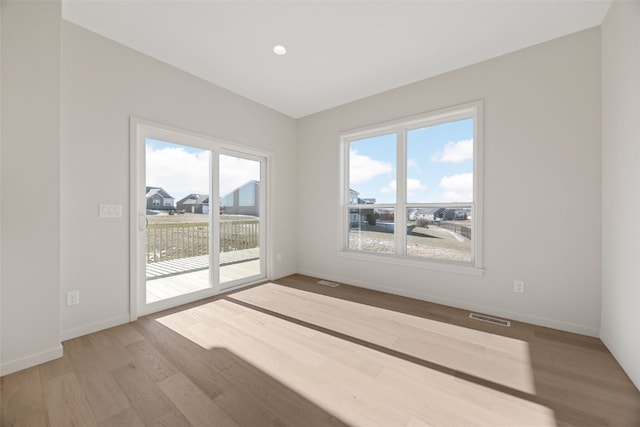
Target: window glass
440,163
432,213
372,170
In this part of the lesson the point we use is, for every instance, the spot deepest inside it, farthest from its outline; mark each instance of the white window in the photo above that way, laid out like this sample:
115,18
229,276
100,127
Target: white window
412,189
155,202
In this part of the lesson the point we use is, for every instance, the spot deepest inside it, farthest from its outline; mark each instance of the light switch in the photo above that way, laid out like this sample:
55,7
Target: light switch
110,211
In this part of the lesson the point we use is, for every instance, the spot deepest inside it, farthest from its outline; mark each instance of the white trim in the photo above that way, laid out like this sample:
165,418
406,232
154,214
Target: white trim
135,176
214,201
93,327
270,256
12,366
195,296
493,311
400,210
403,260
478,184
400,127
141,129
164,132
428,118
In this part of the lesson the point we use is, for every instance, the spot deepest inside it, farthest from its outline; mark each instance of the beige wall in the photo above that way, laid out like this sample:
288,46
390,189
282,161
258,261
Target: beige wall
99,95
30,270
621,175
542,185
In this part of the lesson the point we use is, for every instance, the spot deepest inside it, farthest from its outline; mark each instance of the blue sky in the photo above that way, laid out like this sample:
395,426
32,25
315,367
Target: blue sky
439,164
182,169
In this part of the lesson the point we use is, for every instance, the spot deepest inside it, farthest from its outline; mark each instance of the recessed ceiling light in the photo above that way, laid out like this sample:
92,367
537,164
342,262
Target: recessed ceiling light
279,49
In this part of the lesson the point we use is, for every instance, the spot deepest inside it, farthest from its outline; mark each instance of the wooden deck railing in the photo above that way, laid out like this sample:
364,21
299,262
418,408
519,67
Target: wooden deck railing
166,242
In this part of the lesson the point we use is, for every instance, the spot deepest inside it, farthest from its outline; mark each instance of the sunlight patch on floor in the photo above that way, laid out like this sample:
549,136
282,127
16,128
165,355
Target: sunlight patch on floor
367,386
499,359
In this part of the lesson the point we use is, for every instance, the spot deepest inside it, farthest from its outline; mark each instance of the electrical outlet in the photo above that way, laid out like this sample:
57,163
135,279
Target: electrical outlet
73,298
518,286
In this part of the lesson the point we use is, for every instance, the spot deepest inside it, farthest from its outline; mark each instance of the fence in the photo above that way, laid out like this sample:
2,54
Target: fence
166,242
456,228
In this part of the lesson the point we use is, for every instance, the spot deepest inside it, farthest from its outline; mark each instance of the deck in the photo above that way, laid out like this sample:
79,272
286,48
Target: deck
157,270
169,279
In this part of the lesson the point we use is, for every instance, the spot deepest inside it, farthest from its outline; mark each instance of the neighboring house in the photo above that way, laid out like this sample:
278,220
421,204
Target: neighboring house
426,213
359,215
158,199
439,214
244,200
194,203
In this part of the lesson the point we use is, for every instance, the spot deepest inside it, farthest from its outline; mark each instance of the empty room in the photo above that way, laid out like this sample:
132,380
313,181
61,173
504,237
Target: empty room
319,213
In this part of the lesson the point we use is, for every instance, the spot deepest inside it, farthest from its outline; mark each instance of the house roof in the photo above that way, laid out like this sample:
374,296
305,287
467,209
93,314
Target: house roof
157,191
194,199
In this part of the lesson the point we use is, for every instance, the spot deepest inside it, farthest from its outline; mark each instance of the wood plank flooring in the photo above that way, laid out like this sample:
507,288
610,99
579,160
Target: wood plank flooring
295,353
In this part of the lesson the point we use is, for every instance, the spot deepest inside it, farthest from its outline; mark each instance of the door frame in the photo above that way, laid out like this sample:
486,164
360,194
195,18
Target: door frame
139,130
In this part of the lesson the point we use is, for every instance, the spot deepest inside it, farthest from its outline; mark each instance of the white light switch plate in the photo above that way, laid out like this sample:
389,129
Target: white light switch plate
110,211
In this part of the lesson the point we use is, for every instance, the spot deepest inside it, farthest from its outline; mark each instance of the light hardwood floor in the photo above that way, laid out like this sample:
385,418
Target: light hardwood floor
295,353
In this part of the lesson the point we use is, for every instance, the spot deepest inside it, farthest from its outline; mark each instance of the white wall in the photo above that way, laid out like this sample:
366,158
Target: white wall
621,174
542,177
30,240
103,84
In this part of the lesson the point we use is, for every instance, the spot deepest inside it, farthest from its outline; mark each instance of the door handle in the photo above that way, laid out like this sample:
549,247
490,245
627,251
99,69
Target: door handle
143,221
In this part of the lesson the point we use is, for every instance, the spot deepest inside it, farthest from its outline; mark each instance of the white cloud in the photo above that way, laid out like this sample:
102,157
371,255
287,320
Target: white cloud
181,172
362,168
412,164
178,171
455,152
457,188
413,186
390,187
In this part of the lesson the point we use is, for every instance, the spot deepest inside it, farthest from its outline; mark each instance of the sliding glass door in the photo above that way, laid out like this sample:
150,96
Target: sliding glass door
199,218
178,220
241,222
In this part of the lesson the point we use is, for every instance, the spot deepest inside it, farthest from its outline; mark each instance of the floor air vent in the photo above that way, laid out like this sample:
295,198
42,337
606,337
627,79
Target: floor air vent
328,283
488,319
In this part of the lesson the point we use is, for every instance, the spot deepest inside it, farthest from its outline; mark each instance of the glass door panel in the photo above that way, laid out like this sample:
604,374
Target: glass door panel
178,218
241,224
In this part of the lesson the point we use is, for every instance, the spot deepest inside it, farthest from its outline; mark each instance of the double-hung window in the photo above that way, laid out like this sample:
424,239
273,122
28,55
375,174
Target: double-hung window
411,189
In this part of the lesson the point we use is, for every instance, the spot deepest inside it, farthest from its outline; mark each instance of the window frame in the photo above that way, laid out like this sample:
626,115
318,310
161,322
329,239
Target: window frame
400,128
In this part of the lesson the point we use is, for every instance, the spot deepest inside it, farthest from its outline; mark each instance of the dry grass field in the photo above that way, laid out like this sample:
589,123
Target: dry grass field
165,218
433,242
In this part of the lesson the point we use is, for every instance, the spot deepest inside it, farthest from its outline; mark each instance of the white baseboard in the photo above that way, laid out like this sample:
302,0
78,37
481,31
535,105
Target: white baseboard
494,311
93,327
30,361
625,361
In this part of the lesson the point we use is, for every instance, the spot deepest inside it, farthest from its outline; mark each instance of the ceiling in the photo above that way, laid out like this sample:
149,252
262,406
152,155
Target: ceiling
338,51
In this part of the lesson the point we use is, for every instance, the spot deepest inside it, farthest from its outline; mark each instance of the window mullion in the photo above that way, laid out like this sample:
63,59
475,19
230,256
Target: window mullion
401,193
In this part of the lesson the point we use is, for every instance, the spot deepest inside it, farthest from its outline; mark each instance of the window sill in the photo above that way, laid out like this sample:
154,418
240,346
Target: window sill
448,267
